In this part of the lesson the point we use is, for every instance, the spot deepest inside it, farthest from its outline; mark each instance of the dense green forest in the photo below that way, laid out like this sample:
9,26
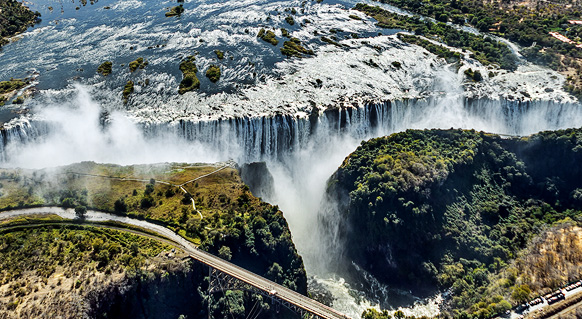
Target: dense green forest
528,25
14,18
451,208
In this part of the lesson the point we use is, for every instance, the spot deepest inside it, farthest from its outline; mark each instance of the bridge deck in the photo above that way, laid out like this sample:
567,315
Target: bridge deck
259,282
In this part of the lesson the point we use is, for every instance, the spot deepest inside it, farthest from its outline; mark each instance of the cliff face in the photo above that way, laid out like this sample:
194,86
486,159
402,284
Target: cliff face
428,209
149,295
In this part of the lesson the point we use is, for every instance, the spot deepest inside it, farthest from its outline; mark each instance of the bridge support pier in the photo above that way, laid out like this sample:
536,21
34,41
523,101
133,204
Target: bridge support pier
221,282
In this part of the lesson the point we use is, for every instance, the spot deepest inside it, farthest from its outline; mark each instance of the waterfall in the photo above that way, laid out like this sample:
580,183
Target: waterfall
250,139
20,132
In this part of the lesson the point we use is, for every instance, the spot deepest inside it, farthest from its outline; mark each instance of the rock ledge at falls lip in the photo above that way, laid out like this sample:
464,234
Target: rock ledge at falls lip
347,77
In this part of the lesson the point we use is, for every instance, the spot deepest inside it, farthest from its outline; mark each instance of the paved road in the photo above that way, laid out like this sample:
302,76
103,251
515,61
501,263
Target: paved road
233,270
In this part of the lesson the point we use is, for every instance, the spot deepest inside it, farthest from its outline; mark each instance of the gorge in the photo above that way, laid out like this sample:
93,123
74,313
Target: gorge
301,116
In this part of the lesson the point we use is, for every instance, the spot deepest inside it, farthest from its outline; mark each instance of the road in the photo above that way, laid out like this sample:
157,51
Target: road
217,263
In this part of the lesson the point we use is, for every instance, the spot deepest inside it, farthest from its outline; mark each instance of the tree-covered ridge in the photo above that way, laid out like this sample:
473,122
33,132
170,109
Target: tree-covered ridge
61,269
451,208
44,251
405,161
527,23
485,50
14,18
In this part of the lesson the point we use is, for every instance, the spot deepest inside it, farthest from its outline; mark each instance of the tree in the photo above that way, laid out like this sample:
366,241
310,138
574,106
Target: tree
399,314
120,206
149,189
146,202
232,304
502,306
521,293
80,211
275,272
68,202
225,253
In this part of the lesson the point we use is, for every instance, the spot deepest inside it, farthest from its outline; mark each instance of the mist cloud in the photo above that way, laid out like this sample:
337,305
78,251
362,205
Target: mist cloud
76,135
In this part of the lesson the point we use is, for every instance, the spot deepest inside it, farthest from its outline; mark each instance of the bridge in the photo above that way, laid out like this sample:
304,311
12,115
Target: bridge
228,276
223,275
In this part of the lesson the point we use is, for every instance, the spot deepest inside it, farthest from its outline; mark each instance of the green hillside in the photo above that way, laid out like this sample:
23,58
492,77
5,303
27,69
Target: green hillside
228,222
451,209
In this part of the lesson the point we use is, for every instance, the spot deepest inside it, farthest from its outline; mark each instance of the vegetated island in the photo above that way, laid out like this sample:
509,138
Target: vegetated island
175,11
105,68
495,220
485,50
219,54
15,18
291,48
137,63
213,73
550,33
268,36
9,88
90,271
189,79
127,91
294,48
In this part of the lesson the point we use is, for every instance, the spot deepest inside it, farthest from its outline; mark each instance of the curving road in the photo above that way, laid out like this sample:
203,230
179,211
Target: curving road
210,260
